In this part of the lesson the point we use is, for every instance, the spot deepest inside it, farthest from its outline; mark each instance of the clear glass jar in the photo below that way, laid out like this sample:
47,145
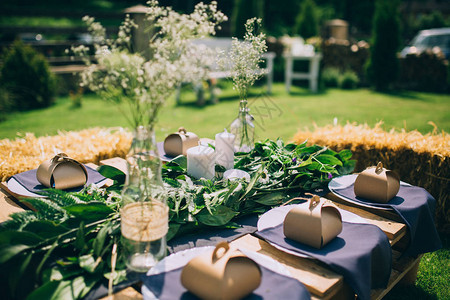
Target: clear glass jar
144,213
243,129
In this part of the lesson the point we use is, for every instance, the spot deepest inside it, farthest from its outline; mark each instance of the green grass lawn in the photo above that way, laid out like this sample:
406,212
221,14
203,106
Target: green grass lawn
276,115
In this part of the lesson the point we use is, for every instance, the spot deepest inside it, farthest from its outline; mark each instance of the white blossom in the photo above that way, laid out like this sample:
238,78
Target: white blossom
244,58
118,74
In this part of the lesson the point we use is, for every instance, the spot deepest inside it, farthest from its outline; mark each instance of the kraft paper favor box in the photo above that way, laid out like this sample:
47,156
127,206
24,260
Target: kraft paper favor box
222,274
313,223
377,184
62,172
179,142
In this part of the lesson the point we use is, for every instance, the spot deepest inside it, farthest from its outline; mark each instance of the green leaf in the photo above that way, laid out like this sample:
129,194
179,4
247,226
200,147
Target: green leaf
99,240
45,228
79,240
314,166
252,182
329,160
345,154
13,237
118,276
16,275
180,161
89,263
46,256
219,169
18,220
309,150
89,211
59,273
112,173
328,151
231,198
221,216
173,230
305,163
172,182
348,168
46,208
65,289
271,199
9,251
290,147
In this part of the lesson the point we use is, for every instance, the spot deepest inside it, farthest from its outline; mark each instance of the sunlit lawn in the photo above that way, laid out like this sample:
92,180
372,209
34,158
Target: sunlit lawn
276,115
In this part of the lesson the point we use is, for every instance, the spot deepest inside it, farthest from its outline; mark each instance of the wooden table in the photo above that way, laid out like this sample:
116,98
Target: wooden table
322,282
312,75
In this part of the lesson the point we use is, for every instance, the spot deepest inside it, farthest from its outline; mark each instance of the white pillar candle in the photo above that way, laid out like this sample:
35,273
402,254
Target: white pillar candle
200,162
225,149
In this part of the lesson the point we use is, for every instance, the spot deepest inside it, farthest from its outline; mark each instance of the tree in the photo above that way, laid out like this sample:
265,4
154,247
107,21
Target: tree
383,65
307,21
242,11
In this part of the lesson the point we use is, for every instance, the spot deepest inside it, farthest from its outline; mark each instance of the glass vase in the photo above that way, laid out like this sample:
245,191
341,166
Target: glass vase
144,213
243,129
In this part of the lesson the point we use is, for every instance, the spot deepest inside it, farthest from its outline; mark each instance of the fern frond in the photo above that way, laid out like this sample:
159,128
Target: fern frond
19,220
47,209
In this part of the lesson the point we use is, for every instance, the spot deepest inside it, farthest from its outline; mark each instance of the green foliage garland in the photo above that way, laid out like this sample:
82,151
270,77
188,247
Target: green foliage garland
65,247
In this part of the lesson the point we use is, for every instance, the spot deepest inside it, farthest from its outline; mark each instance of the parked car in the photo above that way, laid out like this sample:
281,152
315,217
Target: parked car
429,39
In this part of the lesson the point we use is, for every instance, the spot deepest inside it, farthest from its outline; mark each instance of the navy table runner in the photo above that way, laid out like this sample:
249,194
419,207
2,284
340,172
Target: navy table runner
361,253
416,207
168,286
29,181
211,236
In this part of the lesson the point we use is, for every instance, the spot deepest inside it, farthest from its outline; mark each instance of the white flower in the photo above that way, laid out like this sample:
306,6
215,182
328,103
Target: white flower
264,177
120,75
244,58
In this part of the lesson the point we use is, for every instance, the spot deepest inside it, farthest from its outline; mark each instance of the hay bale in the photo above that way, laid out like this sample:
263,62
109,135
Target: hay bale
86,146
422,160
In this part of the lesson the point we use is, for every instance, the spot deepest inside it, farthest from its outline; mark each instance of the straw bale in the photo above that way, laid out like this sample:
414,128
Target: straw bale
87,146
421,160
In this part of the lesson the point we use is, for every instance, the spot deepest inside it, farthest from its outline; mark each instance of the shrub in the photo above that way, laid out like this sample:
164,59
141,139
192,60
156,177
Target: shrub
433,20
427,72
349,80
383,66
307,21
330,77
344,55
26,75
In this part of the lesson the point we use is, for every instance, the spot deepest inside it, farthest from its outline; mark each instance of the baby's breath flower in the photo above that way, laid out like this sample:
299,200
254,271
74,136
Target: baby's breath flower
244,58
145,84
